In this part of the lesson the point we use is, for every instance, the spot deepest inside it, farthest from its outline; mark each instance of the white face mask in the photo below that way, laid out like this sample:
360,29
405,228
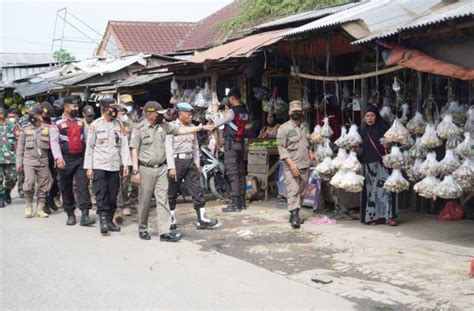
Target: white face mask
124,118
11,120
129,108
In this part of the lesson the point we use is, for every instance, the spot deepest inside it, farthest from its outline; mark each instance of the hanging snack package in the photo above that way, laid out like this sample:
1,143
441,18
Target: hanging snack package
417,151
316,136
397,133
324,150
430,139
413,172
326,130
448,188
386,113
395,159
449,163
417,124
338,178
464,148
340,158
469,127
426,187
341,141
353,138
396,182
325,170
352,164
457,111
452,143
352,182
446,129
407,161
405,109
464,174
430,166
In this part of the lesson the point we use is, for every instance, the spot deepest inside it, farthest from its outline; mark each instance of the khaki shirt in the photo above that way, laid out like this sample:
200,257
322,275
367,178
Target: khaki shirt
107,146
293,143
182,144
33,145
150,141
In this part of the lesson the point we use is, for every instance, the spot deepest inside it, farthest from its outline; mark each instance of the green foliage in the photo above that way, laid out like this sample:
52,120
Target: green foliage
63,56
261,11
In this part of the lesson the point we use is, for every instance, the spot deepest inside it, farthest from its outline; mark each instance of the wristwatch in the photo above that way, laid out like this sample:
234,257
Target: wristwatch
134,172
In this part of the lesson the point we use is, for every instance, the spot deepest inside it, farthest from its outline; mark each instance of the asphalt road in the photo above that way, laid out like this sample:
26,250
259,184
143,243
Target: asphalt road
48,265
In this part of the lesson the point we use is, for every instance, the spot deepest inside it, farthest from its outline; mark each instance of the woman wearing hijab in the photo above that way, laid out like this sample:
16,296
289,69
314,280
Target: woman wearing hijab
377,203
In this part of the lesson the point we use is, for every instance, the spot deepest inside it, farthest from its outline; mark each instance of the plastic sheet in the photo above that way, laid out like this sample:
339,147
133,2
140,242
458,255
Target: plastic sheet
353,137
417,124
446,129
448,188
396,182
352,163
426,187
430,166
464,148
449,163
430,139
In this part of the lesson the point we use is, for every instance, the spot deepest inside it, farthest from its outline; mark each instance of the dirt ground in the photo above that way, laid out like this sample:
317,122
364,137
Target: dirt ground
421,264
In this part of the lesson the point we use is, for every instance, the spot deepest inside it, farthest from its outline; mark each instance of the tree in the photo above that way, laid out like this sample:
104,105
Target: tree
63,56
260,11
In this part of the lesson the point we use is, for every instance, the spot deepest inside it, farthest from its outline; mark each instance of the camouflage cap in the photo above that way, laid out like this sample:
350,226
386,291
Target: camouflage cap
29,104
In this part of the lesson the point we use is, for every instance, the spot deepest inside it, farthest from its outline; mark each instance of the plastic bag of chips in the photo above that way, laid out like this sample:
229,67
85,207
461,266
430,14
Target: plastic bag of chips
396,182
464,174
386,113
325,170
326,130
395,159
430,139
316,136
430,166
457,111
405,109
338,178
417,124
449,163
448,188
353,138
341,142
469,126
352,163
413,172
464,148
397,133
426,187
340,158
352,182
446,129
324,150
417,151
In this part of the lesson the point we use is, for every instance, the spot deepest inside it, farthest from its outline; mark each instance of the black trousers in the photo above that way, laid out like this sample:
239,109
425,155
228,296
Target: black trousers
54,174
234,167
186,169
106,185
74,169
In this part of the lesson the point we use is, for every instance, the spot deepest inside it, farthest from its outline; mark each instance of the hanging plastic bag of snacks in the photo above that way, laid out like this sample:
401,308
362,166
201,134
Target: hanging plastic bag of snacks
457,111
417,124
463,149
449,163
396,182
417,151
352,182
353,138
306,104
413,172
326,130
338,178
397,133
405,109
446,129
430,139
341,141
317,137
324,170
324,150
426,187
453,142
386,113
352,163
340,158
407,161
430,166
448,188
464,174
394,159
469,126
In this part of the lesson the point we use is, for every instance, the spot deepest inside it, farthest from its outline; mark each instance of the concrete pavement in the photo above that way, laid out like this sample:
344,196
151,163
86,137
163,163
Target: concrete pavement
48,265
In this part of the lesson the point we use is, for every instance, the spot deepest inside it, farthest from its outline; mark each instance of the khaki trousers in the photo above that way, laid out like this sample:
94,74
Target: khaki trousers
39,175
154,181
295,187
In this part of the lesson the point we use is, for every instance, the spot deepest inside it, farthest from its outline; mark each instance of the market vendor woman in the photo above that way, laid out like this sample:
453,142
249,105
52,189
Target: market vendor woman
377,203
270,130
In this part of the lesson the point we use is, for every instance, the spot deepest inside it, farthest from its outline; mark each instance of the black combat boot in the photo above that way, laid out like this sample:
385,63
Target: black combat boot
51,203
86,220
173,225
301,221
2,201
294,219
47,208
71,219
243,204
110,222
7,197
104,227
170,237
233,207
202,221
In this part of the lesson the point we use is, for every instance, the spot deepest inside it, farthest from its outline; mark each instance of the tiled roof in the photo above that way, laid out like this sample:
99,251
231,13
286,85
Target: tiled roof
206,33
150,37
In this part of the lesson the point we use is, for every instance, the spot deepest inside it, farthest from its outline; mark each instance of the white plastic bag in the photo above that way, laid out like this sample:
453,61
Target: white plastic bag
449,163
405,109
397,133
353,138
448,188
351,182
326,130
469,126
324,170
395,159
430,166
417,124
446,129
464,174
464,148
352,163
417,151
338,178
457,111
340,158
396,182
316,136
413,172
426,187
341,142
324,150
386,113
430,139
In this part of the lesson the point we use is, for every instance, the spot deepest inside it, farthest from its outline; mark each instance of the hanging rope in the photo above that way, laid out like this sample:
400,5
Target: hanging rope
353,100
348,78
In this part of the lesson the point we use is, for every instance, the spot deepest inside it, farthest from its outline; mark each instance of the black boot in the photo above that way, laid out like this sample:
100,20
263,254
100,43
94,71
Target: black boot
301,221
233,207
7,197
173,225
203,222
243,204
110,222
22,194
86,220
294,219
104,227
51,203
2,201
47,208
71,219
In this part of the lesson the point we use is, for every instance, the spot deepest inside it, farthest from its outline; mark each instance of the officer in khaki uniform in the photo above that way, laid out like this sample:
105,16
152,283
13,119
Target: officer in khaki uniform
32,158
182,159
296,153
149,168
106,150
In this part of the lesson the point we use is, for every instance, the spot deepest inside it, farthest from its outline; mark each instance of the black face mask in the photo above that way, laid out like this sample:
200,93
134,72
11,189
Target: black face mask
33,119
113,113
296,116
46,118
74,113
57,111
159,119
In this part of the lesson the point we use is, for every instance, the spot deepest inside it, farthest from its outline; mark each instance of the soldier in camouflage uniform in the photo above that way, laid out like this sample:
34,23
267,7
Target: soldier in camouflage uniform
7,158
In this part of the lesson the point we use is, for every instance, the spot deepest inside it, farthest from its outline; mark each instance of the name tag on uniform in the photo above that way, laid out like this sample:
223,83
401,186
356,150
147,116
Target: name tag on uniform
292,132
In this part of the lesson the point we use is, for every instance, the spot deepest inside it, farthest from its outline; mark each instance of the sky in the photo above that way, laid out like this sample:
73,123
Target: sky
28,26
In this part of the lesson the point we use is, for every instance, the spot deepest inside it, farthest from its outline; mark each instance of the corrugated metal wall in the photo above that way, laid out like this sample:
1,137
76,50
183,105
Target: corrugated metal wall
10,74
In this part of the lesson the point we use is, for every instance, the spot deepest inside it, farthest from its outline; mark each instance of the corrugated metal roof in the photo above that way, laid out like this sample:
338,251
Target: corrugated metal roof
23,59
239,48
308,15
134,81
30,89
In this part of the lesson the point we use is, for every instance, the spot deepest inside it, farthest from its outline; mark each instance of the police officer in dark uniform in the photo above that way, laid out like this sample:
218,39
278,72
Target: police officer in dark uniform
68,144
235,120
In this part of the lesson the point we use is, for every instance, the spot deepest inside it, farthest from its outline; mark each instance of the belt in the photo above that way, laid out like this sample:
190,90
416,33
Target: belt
141,163
183,156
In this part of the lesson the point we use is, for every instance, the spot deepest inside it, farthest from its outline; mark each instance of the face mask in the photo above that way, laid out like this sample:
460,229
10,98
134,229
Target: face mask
159,119
113,113
57,111
124,118
47,118
33,119
11,120
129,109
296,116
74,113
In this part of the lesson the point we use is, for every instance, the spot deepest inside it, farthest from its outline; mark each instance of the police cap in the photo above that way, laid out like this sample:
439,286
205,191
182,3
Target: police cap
88,111
106,102
153,106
